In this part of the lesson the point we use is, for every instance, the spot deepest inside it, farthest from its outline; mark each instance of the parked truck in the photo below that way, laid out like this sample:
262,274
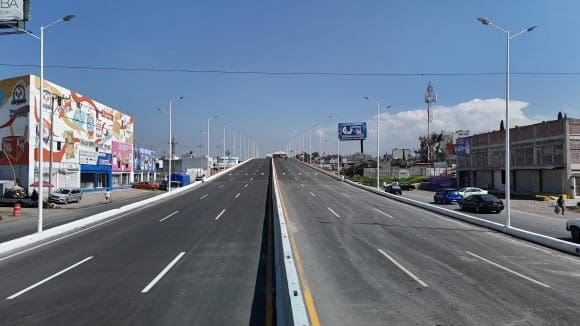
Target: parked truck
182,178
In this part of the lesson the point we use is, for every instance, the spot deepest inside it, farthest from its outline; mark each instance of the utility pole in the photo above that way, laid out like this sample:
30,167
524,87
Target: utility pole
430,97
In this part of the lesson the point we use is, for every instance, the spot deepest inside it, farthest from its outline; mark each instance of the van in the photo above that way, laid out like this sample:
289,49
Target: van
66,195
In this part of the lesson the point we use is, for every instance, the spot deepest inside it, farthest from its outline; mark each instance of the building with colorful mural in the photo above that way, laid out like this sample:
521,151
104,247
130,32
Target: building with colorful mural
78,137
144,168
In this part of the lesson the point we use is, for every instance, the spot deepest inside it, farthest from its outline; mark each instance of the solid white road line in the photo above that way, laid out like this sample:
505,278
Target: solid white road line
238,195
508,270
168,216
202,197
387,215
345,195
403,268
333,212
313,195
64,237
49,278
163,272
220,214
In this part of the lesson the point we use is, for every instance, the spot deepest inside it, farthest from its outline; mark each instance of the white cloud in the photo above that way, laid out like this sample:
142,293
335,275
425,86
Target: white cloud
402,129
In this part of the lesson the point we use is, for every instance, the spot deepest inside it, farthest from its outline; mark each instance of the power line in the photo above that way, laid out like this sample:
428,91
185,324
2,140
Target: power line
290,73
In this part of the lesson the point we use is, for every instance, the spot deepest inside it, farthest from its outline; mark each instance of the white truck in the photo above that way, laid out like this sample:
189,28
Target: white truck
574,227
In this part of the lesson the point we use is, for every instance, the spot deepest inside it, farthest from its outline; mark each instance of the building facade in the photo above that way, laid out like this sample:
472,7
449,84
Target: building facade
77,139
544,158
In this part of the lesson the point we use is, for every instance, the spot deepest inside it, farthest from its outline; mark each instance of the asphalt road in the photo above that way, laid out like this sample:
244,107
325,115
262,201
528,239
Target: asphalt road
544,221
368,260
190,260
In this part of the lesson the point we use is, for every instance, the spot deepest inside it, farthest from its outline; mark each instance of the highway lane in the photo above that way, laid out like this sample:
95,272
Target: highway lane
192,260
368,260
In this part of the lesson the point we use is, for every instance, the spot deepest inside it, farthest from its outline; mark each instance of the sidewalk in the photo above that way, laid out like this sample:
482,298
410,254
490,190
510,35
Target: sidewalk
90,199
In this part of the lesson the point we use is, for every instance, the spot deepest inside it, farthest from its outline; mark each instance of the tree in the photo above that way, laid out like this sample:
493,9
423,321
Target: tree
560,115
438,152
501,127
400,162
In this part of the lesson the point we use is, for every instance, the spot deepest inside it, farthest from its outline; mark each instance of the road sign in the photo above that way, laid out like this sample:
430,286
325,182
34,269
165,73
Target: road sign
352,131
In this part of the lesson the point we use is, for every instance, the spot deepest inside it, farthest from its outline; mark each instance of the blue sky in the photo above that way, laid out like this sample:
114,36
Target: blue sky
307,36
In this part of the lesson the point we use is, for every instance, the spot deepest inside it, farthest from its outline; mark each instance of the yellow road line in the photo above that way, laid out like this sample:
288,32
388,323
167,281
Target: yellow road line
309,301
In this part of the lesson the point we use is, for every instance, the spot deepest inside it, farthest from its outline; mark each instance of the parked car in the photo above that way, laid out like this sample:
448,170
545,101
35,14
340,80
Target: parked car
199,178
174,184
447,196
482,203
407,186
10,197
146,186
394,189
66,195
574,227
468,191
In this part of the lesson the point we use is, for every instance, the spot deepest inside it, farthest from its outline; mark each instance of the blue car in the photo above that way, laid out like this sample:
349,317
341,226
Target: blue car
447,196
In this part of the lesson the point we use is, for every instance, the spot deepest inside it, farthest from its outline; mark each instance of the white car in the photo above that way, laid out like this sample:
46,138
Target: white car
468,191
574,227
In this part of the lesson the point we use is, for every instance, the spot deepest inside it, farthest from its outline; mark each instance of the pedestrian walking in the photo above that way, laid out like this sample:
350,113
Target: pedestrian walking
560,205
108,196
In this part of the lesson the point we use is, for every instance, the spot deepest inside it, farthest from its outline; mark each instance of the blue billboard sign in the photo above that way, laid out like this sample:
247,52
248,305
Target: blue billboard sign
352,131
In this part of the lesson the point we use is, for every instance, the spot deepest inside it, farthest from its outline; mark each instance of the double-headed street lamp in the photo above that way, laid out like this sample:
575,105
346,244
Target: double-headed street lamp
337,143
170,140
41,124
378,134
509,36
208,133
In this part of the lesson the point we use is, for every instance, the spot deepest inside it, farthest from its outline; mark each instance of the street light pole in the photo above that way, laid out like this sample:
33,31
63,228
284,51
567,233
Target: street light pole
509,36
310,155
208,133
41,124
378,135
337,144
170,139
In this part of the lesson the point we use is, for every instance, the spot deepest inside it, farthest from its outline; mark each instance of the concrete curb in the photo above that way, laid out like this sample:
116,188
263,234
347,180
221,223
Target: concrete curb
290,306
35,238
544,240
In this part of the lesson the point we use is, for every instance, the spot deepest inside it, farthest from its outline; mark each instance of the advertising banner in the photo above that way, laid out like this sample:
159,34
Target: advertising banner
352,131
122,157
463,146
145,160
11,10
